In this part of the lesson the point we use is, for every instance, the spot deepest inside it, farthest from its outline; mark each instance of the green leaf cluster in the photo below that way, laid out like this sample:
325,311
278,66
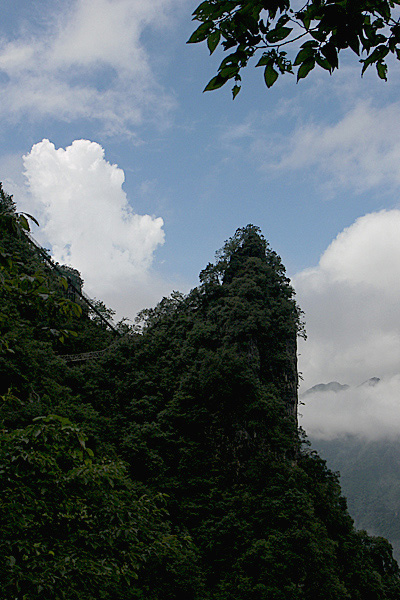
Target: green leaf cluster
328,27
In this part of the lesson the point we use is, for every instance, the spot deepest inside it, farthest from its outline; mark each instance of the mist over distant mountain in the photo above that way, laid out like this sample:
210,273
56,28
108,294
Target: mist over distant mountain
369,409
355,429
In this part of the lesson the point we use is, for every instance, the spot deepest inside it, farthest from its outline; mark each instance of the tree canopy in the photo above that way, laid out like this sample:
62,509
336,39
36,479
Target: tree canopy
285,36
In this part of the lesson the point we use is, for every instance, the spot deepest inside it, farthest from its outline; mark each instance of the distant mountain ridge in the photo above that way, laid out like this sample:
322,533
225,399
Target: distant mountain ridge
371,382
332,386
335,386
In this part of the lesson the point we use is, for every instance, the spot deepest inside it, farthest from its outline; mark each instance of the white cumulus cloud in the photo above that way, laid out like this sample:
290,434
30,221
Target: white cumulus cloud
352,313
85,216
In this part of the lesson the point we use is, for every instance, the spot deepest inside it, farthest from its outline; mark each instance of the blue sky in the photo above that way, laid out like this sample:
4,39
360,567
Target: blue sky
167,173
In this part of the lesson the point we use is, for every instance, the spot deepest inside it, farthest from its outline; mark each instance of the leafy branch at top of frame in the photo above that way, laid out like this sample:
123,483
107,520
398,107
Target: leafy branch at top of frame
248,27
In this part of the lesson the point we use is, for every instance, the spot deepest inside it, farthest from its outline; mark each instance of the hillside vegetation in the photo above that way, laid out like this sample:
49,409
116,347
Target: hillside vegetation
170,468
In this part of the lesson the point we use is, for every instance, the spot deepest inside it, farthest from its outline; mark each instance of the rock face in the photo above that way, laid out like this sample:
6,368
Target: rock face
291,376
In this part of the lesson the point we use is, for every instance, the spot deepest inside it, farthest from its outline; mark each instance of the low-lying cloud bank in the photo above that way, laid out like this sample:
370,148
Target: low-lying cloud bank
85,215
352,312
368,412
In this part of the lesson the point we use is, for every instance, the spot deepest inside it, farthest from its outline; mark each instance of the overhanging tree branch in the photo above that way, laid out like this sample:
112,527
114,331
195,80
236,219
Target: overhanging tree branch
371,28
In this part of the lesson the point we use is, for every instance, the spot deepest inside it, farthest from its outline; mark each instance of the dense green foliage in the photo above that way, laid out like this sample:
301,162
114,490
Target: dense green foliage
270,28
73,523
171,468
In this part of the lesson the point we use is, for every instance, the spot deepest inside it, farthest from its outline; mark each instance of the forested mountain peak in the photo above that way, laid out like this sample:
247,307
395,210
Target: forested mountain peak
261,308
171,468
